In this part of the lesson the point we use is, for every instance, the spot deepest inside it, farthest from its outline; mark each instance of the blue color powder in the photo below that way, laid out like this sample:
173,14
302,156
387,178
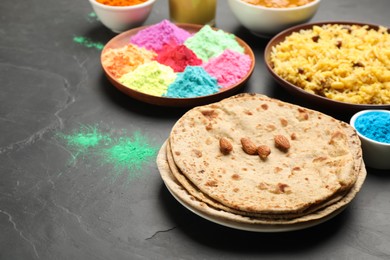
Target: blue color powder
374,125
194,81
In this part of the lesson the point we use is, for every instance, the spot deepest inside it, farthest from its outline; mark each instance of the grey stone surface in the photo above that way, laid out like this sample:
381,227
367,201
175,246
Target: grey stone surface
55,208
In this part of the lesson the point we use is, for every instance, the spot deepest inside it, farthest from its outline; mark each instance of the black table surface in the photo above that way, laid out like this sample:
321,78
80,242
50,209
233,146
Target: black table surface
53,207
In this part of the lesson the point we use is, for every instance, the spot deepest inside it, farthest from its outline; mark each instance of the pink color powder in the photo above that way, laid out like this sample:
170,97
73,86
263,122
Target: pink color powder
156,36
229,67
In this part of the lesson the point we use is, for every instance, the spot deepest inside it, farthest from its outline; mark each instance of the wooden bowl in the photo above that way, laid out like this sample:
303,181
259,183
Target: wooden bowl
124,39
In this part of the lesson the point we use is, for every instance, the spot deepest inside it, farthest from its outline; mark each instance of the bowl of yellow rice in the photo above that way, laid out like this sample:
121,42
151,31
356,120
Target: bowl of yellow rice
343,65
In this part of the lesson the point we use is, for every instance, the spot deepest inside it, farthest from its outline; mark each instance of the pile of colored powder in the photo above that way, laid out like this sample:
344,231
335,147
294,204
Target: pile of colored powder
156,55
374,125
178,57
229,67
208,43
151,78
193,82
156,36
120,61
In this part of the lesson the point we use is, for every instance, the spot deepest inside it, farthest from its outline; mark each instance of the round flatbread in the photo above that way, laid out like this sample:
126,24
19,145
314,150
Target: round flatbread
226,217
197,194
314,158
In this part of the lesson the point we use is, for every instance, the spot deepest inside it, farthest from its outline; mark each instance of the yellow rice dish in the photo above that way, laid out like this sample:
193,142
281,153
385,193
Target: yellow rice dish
347,63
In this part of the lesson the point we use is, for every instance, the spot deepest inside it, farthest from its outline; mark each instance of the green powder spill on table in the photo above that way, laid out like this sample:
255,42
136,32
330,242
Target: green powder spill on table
86,42
92,17
82,140
129,154
123,153
86,137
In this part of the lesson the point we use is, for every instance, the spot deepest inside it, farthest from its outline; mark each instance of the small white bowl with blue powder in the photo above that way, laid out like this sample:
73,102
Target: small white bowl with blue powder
373,128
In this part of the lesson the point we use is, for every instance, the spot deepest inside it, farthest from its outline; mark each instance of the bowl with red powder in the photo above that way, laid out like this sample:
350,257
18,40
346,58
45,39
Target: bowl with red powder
122,15
177,65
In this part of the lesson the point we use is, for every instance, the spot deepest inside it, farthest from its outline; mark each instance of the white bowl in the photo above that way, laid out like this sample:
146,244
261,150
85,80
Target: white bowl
122,18
375,154
266,22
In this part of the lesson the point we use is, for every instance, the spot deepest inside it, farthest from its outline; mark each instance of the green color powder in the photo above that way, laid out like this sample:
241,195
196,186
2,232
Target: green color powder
151,78
86,42
129,153
92,17
85,138
121,152
207,43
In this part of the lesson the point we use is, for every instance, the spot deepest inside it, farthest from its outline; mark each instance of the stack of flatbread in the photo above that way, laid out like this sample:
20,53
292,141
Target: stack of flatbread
250,159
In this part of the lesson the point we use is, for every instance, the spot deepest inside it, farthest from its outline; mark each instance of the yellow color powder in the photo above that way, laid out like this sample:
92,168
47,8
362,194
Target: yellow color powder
151,78
122,60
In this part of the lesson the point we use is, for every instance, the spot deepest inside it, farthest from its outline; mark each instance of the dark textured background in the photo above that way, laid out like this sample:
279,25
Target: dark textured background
50,209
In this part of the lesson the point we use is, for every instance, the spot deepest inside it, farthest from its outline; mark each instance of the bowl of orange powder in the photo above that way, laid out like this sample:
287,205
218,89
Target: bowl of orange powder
122,15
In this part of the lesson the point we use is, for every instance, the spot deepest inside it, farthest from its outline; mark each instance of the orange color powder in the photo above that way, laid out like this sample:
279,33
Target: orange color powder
121,2
125,59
